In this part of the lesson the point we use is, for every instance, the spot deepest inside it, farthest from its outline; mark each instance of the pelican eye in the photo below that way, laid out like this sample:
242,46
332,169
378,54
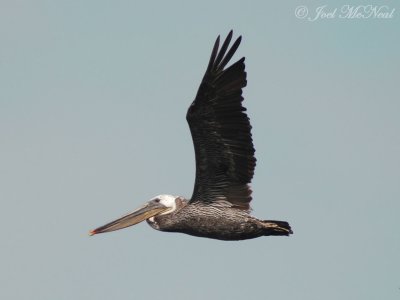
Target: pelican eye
157,200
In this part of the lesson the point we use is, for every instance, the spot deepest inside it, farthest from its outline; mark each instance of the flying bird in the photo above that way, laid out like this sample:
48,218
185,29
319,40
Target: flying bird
220,205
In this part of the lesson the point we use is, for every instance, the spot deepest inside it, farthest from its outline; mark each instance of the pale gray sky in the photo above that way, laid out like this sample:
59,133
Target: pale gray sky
93,97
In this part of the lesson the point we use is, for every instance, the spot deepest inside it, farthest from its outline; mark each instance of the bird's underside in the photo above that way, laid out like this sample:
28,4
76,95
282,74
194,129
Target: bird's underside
225,162
222,223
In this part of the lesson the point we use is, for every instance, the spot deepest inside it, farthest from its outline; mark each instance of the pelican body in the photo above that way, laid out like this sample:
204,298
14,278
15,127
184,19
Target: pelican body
220,205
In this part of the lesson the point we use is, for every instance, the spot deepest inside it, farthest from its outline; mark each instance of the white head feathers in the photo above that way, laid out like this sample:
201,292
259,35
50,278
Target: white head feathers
168,201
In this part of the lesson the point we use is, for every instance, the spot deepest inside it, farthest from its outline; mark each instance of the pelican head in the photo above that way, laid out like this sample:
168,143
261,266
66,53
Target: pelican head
159,205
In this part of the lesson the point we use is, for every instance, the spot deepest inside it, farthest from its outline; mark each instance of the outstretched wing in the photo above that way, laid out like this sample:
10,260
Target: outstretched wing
221,132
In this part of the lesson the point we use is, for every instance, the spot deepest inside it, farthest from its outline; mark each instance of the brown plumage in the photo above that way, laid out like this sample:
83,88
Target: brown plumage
221,131
221,134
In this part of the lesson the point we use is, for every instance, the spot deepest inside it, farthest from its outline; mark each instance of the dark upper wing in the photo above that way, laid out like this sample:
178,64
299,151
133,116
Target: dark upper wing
220,130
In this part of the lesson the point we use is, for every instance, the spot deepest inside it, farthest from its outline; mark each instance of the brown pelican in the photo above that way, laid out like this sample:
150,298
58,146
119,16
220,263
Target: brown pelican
225,162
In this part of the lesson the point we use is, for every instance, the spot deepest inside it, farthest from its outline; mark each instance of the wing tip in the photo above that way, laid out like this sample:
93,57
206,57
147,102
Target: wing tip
221,56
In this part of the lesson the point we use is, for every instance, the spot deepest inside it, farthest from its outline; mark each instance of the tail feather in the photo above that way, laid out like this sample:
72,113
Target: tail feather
277,228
